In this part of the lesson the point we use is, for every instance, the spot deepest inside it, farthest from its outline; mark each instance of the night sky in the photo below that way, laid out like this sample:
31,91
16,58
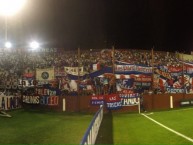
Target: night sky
165,24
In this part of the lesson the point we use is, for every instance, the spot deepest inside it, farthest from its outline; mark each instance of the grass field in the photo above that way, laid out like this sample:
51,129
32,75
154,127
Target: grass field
35,127
135,129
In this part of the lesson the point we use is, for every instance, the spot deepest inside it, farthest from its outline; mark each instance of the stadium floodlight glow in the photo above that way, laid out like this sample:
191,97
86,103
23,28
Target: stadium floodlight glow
11,7
8,44
34,45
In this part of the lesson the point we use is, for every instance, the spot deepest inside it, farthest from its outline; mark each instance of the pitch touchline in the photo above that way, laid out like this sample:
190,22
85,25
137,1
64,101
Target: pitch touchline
183,109
179,134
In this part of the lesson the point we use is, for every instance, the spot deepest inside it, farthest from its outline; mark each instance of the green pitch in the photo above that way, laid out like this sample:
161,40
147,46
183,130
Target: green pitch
35,127
135,129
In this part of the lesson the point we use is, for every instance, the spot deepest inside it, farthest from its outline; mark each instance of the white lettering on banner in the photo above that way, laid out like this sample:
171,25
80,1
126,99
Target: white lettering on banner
49,100
112,98
185,103
124,68
97,102
74,70
9,102
164,74
173,90
48,50
145,84
114,105
138,83
176,74
31,99
97,97
132,95
141,79
49,92
133,68
144,69
130,101
43,100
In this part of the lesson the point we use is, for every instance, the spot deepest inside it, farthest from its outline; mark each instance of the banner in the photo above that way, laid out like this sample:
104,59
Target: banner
142,81
143,78
47,91
26,82
132,69
124,84
59,72
175,90
113,101
96,66
97,100
174,69
9,102
74,70
185,57
188,69
45,74
162,73
129,98
43,100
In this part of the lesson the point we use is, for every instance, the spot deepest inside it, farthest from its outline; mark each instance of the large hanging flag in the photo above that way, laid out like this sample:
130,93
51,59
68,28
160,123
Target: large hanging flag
45,74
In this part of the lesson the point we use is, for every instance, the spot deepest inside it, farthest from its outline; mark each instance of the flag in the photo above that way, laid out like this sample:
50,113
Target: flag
45,74
96,66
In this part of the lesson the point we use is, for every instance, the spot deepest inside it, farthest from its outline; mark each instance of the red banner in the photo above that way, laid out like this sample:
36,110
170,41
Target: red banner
174,69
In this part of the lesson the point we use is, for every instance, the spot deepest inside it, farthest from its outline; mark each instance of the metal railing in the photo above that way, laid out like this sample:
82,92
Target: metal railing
92,131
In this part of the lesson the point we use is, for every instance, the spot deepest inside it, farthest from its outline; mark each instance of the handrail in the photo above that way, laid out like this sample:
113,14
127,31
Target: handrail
92,131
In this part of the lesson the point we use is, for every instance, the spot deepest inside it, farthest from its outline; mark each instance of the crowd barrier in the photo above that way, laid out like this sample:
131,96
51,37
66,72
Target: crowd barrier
92,131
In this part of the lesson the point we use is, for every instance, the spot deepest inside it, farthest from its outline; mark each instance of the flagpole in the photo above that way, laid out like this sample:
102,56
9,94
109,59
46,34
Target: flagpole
78,97
183,76
152,86
152,63
113,59
22,73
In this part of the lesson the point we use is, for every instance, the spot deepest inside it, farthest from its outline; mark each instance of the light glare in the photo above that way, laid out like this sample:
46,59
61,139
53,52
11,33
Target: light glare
8,45
34,45
11,7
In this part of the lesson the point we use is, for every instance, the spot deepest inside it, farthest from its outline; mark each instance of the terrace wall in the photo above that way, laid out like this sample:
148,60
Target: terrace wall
82,103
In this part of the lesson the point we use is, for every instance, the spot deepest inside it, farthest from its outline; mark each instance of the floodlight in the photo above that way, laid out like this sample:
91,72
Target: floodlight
8,44
34,45
11,7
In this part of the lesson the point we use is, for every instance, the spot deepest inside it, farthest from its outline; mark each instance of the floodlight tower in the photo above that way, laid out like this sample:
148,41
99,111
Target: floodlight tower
9,8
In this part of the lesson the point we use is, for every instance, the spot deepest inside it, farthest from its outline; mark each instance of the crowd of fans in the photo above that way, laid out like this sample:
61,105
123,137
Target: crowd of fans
13,63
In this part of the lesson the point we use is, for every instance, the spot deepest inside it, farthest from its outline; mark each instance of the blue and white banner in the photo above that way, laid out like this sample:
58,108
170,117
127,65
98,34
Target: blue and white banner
97,100
113,101
135,69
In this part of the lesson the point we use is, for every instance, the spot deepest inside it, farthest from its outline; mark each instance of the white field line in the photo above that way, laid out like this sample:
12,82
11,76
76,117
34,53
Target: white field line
182,109
185,109
149,113
177,133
